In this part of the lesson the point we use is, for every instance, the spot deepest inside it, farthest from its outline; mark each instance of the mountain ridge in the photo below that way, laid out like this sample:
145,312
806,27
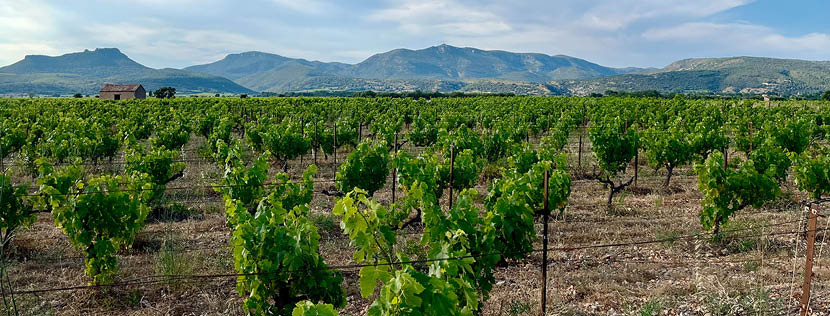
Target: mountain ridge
723,75
86,72
442,68
274,73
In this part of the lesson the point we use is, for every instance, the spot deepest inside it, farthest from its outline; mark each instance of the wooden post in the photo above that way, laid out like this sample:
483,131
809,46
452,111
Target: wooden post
579,155
581,130
725,148
750,139
302,134
316,144
808,264
726,156
452,164
548,129
545,247
395,170
334,144
636,160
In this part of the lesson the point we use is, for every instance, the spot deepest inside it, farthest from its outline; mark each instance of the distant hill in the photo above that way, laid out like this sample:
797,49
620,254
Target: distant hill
86,72
749,75
447,62
268,72
441,68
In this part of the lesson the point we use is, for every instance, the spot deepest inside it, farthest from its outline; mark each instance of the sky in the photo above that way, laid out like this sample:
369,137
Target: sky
616,33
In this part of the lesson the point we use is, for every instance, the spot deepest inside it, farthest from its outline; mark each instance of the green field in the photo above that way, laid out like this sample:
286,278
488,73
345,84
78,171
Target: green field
400,206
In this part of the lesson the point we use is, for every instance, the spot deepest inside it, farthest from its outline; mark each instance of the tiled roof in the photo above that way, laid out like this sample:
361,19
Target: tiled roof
120,87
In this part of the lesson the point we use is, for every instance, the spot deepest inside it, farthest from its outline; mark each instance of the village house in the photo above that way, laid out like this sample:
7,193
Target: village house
122,92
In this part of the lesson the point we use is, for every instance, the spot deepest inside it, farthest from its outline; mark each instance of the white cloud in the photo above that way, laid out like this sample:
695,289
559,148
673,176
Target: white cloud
304,6
26,27
622,13
441,17
742,39
613,33
152,37
155,44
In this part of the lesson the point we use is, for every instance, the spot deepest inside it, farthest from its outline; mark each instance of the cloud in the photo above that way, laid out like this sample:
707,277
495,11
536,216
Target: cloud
304,6
26,27
441,17
613,33
152,37
608,32
622,13
741,39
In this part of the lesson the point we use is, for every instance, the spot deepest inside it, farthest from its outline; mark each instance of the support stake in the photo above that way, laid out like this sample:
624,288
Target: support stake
636,161
808,264
395,170
545,247
452,164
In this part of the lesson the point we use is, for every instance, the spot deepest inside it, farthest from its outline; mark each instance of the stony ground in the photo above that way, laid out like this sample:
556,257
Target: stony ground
756,270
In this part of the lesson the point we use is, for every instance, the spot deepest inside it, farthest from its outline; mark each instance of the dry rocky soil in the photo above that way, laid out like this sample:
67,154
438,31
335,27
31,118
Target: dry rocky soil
756,269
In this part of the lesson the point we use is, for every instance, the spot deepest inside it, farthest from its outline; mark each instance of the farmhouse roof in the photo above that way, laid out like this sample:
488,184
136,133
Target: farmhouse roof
120,87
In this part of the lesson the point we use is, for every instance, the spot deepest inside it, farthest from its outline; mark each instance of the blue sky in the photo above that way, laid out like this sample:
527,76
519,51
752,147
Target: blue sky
643,33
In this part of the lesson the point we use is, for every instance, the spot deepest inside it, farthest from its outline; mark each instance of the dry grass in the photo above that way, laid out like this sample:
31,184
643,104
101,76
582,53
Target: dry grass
682,275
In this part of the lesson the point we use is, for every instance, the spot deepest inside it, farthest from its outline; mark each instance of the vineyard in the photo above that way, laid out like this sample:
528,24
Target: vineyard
393,206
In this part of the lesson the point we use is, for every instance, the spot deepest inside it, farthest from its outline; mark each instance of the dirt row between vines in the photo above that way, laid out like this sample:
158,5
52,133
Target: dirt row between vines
749,272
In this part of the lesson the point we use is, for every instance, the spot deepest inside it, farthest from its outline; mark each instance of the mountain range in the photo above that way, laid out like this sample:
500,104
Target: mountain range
441,68
86,72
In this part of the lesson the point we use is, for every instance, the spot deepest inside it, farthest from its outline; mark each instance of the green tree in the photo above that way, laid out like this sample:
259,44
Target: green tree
668,146
812,173
157,162
307,308
614,147
366,167
165,93
277,252
275,246
97,215
285,141
826,95
728,190
15,211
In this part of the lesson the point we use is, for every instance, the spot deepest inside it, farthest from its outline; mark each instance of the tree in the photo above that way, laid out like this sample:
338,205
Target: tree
157,162
826,95
668,146
78,96
275,245
277,254
366,167
285,141
97,215
307,308
165,93
811,171
614,147
15,211
728,190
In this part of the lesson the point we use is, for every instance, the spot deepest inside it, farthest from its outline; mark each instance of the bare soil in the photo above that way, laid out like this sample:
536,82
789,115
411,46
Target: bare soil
757,269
